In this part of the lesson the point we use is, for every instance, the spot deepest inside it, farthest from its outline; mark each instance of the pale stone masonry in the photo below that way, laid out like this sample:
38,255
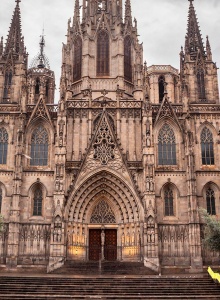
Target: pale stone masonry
119,168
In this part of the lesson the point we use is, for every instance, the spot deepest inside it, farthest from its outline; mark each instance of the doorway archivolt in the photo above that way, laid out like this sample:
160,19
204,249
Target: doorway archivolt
104,200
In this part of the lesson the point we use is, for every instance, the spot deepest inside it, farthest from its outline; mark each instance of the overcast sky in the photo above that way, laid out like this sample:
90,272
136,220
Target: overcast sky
161,25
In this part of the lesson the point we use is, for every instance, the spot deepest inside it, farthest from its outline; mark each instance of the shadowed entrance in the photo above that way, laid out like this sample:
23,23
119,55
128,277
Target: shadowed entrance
103,240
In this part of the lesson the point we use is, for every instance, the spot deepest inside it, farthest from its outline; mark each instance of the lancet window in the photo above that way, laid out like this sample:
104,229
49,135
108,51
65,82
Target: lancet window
166,146
7,86
77,66
37,87
39,147
127,59
103,214
3,146
168,201
210,201
0,199
38,200
207,147
201,85
103,53
161,82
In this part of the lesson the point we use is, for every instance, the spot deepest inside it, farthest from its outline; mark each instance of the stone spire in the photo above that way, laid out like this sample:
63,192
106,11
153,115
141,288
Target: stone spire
41,60
208,49
194,41
76,11
128,15
15,41
1,46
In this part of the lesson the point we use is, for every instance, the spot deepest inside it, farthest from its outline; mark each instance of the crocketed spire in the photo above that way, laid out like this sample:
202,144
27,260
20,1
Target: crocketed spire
194,41
15,41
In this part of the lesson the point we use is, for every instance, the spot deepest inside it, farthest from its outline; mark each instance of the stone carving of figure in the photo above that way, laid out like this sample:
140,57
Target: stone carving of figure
148,140
103,237
151,185
147,184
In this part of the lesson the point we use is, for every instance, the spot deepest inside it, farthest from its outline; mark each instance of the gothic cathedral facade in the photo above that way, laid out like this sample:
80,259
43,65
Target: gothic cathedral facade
122,164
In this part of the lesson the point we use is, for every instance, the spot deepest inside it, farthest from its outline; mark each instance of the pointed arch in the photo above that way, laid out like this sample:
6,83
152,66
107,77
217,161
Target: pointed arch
127,59
103,54
161,82
201,85
7,86
3,146
1,198
37,200
39,147
166,146
77,61
207,147
37,86
210,201
168,201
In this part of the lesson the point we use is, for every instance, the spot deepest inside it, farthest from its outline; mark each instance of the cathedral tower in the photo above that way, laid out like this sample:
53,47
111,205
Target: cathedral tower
198,72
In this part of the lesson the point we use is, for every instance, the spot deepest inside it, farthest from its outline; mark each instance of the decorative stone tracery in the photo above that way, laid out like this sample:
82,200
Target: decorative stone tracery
103,214
104,145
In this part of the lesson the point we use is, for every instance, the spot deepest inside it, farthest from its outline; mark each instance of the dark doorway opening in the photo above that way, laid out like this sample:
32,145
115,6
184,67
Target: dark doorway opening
110,244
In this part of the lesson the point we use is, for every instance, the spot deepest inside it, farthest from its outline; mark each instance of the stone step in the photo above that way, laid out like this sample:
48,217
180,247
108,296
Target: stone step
58,287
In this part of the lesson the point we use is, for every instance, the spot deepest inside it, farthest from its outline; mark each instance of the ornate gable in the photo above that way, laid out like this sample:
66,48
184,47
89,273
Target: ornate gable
104,152
166,111
40,111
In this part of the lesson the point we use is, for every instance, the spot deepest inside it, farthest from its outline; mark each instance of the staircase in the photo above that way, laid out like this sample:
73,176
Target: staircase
117,287
107,268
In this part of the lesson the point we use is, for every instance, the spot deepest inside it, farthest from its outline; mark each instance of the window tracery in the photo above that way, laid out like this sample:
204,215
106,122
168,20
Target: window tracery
38,199
168,201
3,146
166,146
7,86
207,147
77,66
104,146
103,53
39,147
210,201
201,85
103,213
127,59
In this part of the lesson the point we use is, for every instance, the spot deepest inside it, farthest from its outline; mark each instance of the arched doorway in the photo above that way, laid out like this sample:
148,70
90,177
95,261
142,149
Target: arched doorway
103,241
104,217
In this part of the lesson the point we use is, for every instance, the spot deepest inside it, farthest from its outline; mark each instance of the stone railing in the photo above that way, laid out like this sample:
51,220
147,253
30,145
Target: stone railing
9,108
162,68
204,108
55,265
178,108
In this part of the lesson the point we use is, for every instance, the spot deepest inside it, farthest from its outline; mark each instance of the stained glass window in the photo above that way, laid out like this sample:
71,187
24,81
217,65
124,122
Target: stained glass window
77,66
201,85
3,146
39,147
103,53
210,201
207,147
38,199
168,201
166,146
127,59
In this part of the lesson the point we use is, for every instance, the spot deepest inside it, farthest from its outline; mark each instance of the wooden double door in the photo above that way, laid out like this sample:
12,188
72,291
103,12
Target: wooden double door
110,244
